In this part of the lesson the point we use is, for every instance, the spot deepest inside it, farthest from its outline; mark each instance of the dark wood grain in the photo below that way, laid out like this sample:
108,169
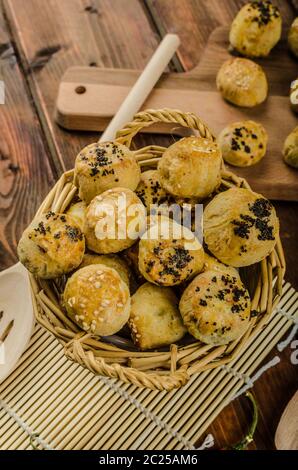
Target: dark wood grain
75,32
25,171
117,33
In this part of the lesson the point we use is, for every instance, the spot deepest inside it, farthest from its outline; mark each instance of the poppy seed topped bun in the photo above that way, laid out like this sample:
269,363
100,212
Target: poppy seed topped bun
243,143
168,258
256,29
240,227
215,308
105,165
52,245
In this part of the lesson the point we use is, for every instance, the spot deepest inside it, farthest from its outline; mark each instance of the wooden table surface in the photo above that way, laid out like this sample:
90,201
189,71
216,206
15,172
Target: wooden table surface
39,39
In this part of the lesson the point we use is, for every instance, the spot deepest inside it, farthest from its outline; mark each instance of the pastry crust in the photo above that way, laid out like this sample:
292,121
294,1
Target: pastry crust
151,192
293,37
243,143
155,320
105,165
240,227
78,212
167,259
215,308
51,246
111,219
290,150
242,82
96,298
111,261
212,264
256,29
190,168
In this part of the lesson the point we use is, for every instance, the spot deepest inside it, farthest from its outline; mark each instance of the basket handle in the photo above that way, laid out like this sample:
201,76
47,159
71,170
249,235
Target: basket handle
151,116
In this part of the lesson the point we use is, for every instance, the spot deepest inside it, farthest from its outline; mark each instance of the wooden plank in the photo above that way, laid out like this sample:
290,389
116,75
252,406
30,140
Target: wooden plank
75,32
25,171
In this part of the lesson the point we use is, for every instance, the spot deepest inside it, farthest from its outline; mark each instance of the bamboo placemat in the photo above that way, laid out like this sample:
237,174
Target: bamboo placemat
70,408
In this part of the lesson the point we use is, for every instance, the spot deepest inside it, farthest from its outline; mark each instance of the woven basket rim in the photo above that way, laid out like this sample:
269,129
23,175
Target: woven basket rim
162,370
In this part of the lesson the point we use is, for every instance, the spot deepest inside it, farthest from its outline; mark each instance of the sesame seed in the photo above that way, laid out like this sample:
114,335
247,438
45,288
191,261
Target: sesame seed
119,304
97,285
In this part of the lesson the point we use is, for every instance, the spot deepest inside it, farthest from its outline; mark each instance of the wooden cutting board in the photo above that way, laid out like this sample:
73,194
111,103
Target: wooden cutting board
88,97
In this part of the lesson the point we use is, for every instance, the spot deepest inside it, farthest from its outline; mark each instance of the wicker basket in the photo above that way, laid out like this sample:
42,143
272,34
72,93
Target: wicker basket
168,368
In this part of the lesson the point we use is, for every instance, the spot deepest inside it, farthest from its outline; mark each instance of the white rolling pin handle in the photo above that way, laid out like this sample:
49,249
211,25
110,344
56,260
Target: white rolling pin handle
143,85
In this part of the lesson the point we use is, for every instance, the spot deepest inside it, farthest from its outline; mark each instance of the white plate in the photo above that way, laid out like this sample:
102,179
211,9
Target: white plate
16,304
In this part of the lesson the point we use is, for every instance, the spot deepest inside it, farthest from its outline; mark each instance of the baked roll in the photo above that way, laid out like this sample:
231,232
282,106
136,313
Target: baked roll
114,221
155,320
242,82
243,143
78,212
290,150
169,254
111,261
256,29
190,168
215,308
105,165
293,37
97,300
151,192
240,227
51,246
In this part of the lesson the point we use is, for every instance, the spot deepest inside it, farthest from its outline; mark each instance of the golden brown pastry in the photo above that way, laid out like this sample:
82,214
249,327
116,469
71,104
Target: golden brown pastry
256,29
51,246
169,254
97,299
212,264
113,220
290,150
155,320
215,308
151,192
190,168
111,261
293,37
294,96
105,165
243,143
242,82
78,212
240,227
